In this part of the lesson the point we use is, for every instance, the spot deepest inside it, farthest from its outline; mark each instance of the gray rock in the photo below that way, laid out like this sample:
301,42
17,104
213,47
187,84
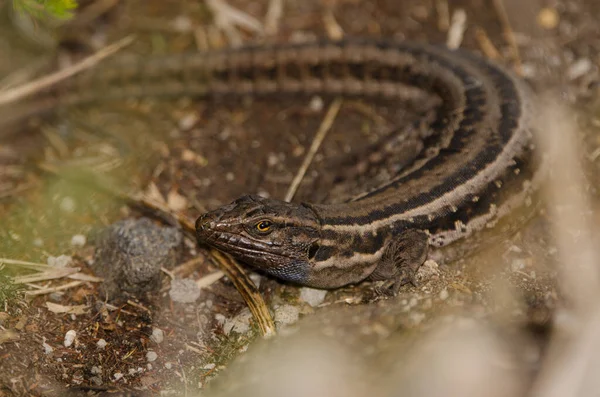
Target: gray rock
130,253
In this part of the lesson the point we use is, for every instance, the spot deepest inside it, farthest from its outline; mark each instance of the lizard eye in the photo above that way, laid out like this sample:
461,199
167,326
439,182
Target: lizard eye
264,226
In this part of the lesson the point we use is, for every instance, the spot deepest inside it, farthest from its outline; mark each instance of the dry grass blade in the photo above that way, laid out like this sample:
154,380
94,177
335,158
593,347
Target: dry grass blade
24,264
45,291
508,33
248,290
17,93
273,17
314,147
50,274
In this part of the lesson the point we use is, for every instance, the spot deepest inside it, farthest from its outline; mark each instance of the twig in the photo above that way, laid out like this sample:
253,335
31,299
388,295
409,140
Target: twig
443,12
248,291
332,27
508,33
314,147
209,279
58,272
139,306
273,17
486,45
45,291
31,88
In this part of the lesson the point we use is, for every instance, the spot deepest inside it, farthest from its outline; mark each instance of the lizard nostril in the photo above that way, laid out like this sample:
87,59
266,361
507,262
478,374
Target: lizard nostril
203,222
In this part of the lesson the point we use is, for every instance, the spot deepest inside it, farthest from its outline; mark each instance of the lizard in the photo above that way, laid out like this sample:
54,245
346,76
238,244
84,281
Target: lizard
477,165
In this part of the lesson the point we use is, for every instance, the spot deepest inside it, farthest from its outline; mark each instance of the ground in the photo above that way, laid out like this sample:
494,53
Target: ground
196,155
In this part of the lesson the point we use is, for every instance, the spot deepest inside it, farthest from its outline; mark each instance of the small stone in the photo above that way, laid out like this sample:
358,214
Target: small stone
428,270
151,356
256,279
239,323
130,254
517,265
314,297
579,68
96,380
184,290
548,18
118,376
183,24
286,314
188,121
78,240
59,261
209,366
70,338
444,294
47,348
168,365
417,318
316,104
67,204
157,335
96,370
220,318
101,344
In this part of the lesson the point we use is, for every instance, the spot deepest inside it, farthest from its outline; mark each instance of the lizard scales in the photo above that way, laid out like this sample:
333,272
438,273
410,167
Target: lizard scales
478,167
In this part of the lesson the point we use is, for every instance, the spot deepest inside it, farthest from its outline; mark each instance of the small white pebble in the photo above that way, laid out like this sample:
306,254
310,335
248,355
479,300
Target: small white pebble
188,121
151,356
579,68
182,24
316,104
444,294
67,204
59,261
417,318
209,366
168,365
157,335
517,265
286,314
256,279
95,370
132,371
239,323
220,318
314,297
70,338
101,344
78,240
47,348
184,290
272,159
118,376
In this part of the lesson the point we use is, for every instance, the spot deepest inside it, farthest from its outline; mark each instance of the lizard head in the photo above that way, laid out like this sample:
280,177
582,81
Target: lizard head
274,236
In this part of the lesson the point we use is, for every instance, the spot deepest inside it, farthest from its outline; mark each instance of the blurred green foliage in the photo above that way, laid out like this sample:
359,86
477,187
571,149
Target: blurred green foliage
43,9
8,289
